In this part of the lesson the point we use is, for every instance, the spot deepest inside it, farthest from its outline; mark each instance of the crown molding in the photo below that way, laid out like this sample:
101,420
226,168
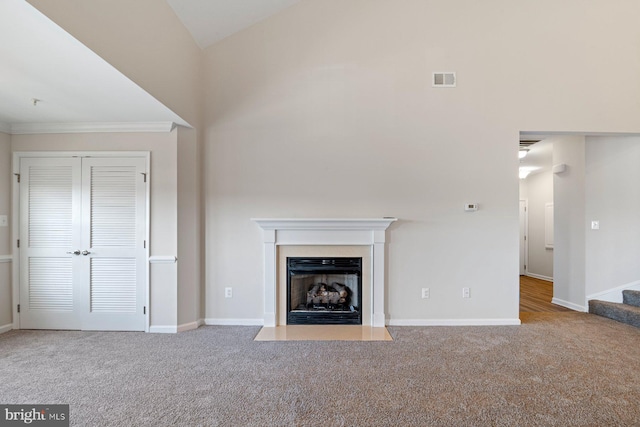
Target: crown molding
5,128
97,127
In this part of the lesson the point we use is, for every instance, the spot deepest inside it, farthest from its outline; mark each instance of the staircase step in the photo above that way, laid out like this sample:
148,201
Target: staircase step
613,310
631,297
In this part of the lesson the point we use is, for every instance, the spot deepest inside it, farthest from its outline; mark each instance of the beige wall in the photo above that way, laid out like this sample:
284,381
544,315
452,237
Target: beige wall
539,192
164,200
569,222
613,199
5,232
326,110
189,228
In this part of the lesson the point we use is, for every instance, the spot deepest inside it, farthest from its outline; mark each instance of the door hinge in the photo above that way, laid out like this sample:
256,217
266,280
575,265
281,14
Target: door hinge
144,310
525,266
18,308
525,237
144,245
17,176
144,174
18,242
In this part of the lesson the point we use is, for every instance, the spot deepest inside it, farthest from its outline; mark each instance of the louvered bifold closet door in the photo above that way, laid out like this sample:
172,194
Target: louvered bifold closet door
49,233
113,233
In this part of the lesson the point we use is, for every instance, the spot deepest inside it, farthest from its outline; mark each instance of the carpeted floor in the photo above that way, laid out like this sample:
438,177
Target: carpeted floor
566,369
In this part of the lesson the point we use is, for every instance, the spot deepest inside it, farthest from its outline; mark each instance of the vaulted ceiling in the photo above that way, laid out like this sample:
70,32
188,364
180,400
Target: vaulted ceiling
212,20
49,77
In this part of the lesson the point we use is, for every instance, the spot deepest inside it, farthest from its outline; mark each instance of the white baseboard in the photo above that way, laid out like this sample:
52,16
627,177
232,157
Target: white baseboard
188,326
234,322
6,328
169,329
614,294
453,322
163,329
539,276
568,304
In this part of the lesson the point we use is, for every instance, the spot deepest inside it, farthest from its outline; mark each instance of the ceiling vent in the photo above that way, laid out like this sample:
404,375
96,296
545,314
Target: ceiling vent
526,143
444,79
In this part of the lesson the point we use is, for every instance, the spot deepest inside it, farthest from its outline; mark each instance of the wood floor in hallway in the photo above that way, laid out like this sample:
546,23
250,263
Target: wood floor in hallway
536,295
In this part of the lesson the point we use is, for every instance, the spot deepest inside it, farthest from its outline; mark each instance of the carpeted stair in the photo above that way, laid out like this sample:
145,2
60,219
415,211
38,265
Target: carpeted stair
626,312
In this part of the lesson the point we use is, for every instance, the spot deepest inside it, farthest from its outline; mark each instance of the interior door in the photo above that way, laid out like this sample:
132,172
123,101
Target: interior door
49,233
113,252
84,265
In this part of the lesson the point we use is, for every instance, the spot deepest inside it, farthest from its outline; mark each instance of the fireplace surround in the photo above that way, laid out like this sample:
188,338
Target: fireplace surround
367,235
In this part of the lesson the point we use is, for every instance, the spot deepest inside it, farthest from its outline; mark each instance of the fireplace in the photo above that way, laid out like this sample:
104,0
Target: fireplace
324,290
361,237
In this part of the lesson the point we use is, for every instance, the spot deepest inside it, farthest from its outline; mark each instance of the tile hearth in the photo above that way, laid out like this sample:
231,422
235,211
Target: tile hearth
323,333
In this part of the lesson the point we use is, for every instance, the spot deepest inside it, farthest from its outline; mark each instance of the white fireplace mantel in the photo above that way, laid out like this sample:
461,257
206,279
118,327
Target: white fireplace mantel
325,231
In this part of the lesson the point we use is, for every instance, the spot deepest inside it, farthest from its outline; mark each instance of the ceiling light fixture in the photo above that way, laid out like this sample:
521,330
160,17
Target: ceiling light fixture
522,153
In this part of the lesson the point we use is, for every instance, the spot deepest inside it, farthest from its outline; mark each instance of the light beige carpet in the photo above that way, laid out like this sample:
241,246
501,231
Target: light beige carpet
570,369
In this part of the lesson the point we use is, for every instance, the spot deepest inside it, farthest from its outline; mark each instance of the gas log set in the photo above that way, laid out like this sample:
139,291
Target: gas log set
323,296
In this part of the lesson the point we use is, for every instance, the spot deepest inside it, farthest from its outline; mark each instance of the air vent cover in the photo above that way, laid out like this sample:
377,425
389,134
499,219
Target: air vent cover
444,79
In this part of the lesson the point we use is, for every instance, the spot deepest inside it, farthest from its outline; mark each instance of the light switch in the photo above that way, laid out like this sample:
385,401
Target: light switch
595,225
4,221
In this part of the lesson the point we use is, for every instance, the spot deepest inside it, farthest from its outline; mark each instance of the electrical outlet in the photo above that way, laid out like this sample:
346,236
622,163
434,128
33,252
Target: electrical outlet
465,293
228,292
425,292
595,225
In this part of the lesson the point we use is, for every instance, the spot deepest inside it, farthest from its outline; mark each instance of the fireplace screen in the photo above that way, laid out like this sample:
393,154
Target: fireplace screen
324,291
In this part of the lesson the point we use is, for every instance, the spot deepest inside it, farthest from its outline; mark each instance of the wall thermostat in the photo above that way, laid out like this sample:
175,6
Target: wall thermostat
471,207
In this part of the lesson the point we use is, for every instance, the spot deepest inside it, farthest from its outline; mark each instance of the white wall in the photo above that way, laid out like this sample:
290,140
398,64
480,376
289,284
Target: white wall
613,198
164,200
5,233
539,192
569,222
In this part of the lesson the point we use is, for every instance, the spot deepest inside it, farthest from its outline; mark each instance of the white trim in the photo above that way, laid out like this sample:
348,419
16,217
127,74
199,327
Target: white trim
568,304
613,294
161,259
6,328
454,322
38,128
380,224
539,276
163,329
234,322
5,128
6,258
188,326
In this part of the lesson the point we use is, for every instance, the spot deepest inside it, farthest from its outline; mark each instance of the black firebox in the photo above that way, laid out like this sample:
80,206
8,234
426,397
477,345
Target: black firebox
323,290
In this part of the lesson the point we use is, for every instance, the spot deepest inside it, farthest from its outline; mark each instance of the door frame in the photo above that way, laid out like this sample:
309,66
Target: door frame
15,211
523,220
